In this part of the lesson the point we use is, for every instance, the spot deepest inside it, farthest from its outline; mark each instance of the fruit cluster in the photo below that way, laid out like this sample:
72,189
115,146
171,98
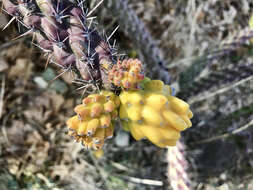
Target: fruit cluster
126,74
93,123
154,114
151,112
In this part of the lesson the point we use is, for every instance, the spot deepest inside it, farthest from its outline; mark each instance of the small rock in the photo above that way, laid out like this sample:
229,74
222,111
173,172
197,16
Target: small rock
223,176
40,82
122,139
224,187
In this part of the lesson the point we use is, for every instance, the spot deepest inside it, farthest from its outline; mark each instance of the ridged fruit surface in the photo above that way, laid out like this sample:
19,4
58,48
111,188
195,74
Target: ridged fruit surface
93,123
126,74
155,114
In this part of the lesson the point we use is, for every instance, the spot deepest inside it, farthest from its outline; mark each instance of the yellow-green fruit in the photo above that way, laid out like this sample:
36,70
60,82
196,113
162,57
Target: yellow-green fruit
93,123
154,114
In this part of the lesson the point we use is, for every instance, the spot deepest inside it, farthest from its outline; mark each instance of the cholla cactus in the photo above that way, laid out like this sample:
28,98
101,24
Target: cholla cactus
178,165
64,30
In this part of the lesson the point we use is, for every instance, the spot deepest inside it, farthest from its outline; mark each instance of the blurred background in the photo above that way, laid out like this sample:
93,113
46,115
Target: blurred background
202,48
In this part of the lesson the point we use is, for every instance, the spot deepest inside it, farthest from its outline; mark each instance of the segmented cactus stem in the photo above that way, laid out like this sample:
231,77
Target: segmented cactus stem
233,43
218,78
64,30
177,171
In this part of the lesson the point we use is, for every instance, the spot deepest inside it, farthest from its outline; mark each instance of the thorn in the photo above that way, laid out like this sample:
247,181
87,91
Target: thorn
45,50
90,24
22,35
86,66
89,48
48,59
97,87
65,39
112,33
33,38
81,23
57,64
114,44
76,82
95,8
66,70
80,4
13,18
93,54
57,6
82,87
91,18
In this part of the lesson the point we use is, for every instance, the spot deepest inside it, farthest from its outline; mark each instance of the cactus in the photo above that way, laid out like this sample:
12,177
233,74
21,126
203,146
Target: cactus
64,30
155,114
178,165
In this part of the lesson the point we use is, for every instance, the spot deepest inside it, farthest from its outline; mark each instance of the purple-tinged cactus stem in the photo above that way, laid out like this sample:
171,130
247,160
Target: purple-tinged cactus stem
64,32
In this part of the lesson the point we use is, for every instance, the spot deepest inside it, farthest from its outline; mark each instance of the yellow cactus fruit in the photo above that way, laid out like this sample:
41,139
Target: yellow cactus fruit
126,74
93,123
153,113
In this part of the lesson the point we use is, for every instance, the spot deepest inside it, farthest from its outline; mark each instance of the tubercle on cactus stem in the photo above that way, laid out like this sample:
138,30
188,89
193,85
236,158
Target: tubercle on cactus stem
65,32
